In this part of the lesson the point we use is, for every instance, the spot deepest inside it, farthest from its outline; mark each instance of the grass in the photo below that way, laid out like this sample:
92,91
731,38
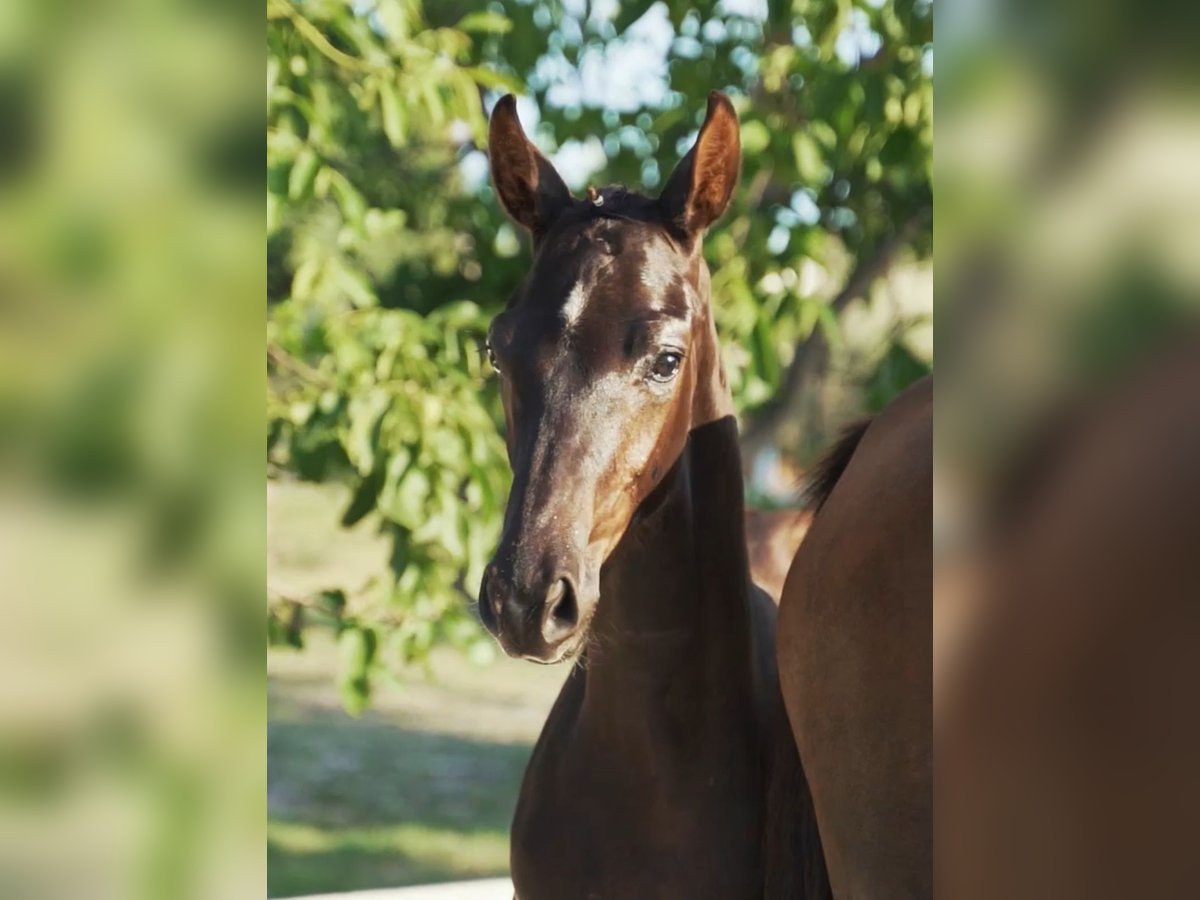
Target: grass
420,788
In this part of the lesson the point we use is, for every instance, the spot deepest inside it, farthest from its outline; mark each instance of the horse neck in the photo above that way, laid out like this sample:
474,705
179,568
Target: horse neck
675,593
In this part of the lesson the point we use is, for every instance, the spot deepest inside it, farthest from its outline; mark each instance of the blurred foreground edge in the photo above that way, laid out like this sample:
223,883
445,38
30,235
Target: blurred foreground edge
1067,727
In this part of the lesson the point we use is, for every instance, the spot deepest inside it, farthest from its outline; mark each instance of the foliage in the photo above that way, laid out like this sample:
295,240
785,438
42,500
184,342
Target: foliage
387,256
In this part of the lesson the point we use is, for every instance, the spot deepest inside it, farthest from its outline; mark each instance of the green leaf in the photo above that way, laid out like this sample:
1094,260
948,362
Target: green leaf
486,22
394,113
364,498
434,104
412,492
496,80
286,627
332,603
304,170
365,413
358,647
355,286
281,631
354,207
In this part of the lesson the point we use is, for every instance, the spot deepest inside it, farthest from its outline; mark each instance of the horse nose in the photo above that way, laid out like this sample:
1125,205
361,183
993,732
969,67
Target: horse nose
491,600
495,591
527,619
560,613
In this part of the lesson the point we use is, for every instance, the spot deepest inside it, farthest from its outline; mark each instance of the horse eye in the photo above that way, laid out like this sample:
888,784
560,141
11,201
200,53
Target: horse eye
491,355
666,365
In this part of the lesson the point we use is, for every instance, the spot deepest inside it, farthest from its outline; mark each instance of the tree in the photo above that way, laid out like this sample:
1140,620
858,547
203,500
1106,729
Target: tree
388,253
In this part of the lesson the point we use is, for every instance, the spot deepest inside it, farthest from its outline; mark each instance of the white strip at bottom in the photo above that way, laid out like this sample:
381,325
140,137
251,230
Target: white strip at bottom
484,889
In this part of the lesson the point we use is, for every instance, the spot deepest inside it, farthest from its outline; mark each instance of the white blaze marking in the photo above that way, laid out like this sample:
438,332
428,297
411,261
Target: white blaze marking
657,274
576,301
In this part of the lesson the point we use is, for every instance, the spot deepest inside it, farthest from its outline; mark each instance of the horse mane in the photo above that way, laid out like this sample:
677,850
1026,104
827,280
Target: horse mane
832,465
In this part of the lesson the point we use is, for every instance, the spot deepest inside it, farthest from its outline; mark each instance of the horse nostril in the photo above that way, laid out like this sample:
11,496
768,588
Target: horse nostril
562,611
491,601
495,596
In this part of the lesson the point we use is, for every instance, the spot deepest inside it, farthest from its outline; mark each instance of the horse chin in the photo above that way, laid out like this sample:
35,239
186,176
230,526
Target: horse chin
577,644
567,650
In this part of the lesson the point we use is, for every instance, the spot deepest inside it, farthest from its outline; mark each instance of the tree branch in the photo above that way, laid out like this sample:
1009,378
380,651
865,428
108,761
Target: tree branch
282,358
282,9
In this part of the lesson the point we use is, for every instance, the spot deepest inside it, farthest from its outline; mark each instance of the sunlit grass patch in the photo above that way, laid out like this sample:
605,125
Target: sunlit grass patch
305,859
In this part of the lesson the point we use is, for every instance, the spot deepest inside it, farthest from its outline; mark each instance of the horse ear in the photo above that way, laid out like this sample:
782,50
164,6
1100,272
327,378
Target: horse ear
530,189
699,190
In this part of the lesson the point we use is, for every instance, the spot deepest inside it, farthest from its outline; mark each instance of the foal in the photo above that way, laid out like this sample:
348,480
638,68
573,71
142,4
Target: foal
666,768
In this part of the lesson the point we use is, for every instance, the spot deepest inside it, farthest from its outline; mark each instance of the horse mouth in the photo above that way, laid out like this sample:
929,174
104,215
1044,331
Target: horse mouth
569,648
519,642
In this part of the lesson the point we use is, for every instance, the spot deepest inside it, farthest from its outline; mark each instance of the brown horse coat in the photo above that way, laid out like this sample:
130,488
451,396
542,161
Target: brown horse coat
1069,724
854,648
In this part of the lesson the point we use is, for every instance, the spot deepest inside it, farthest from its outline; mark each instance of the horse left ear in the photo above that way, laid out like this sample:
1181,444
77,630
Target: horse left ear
529,187
699,190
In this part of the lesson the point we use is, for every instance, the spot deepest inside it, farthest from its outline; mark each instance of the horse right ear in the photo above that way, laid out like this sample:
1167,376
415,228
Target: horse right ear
699,190
530,189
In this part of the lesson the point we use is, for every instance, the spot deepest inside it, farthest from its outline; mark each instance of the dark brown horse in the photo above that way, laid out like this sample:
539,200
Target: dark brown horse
855,654
666,768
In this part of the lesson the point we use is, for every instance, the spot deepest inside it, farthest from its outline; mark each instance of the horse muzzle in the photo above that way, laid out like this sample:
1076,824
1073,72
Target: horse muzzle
540,619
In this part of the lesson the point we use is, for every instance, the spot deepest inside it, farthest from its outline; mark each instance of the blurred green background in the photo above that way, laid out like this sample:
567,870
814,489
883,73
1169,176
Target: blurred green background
132,538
